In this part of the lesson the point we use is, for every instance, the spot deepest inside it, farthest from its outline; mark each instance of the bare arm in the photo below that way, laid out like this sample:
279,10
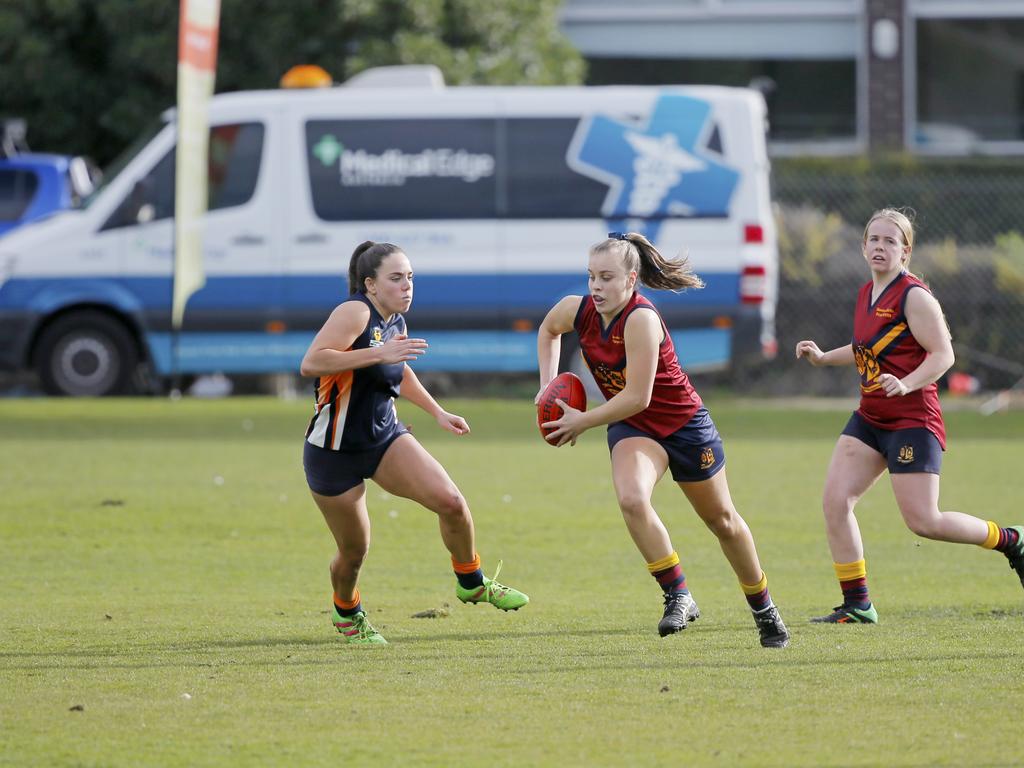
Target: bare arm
558,320
837,356
642,336
414,391
329,351
924,316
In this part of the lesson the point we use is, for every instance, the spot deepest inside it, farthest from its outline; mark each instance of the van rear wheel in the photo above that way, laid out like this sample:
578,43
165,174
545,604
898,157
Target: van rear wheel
86,354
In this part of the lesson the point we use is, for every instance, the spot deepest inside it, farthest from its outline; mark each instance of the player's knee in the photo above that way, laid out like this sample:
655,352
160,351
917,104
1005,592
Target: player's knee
633,504
450,503
349,561
924,525
723,523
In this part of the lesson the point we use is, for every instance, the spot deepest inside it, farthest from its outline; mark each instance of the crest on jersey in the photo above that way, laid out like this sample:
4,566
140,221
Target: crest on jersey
707,458
375,338
667,164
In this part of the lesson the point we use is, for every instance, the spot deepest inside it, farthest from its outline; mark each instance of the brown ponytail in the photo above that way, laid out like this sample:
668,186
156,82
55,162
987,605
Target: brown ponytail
365,262
653,269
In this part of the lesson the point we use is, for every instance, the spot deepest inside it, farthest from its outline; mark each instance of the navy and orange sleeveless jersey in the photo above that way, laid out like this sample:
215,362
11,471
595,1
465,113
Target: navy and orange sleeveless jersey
355,410
883,343
673,399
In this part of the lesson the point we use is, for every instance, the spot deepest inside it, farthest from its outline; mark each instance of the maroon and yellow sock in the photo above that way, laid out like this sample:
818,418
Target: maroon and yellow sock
469,574
1000,539
853,580
669,574
348,607
757,595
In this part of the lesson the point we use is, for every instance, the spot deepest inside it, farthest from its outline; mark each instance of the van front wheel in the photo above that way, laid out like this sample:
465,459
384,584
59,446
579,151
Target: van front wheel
86,354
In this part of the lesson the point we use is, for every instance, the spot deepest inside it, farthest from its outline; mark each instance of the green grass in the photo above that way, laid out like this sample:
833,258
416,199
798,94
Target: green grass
150,549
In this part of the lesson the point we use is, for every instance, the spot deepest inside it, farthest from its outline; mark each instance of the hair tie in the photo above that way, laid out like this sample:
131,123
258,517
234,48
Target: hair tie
619,236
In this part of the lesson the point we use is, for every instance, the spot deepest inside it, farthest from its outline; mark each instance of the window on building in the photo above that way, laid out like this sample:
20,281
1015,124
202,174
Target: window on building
970,82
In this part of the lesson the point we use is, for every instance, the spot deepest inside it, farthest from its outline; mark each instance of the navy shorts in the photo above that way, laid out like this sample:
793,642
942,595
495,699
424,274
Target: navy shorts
905,450
694,450
331,473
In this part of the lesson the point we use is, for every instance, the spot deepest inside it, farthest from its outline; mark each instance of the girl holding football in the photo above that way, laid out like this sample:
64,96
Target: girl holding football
359,359
656,421
901,346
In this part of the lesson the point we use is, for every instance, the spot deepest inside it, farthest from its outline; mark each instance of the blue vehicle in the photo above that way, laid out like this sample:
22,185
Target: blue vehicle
34,185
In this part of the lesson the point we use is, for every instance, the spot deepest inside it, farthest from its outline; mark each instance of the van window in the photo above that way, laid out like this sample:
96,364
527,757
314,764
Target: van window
234,165
540,183
362,170
17,188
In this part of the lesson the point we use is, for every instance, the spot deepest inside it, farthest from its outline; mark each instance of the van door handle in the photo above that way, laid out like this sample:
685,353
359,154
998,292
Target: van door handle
248,240
311,238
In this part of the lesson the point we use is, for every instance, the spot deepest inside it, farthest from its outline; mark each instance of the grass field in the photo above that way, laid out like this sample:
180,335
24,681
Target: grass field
162,567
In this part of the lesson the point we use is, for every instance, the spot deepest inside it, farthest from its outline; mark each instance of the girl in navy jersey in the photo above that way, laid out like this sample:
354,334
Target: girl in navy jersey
901,346
359,359
656,421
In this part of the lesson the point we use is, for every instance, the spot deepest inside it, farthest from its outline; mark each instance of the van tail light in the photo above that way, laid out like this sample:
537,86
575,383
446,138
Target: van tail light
753,234
753,284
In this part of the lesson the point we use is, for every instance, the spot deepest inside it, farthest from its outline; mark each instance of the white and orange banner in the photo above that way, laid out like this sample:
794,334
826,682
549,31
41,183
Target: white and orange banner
197,67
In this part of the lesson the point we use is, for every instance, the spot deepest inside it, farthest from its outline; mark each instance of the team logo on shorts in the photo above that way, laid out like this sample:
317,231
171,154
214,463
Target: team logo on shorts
906,455
707,458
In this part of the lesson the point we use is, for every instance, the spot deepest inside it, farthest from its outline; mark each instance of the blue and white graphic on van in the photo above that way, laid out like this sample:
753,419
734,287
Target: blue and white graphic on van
665,168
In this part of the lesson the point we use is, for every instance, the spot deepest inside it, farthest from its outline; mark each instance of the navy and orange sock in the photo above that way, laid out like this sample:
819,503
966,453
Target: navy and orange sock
1001,539
669,574
469,574
348,607
853,580
758,597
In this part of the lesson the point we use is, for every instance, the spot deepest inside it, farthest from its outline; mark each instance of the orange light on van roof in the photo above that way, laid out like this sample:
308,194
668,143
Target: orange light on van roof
306,76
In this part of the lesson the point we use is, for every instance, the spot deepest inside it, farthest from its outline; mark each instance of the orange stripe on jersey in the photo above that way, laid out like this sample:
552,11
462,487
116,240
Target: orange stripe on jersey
884,342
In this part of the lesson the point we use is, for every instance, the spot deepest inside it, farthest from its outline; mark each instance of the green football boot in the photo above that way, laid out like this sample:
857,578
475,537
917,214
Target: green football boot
357,629
1016,555
498,595
847,614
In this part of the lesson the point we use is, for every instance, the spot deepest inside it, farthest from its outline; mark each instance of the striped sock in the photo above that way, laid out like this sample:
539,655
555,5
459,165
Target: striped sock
1000,539
853,580
669,574
469,574
757,594
348,607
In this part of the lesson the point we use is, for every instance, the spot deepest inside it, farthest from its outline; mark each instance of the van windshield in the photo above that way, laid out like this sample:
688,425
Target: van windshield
113,170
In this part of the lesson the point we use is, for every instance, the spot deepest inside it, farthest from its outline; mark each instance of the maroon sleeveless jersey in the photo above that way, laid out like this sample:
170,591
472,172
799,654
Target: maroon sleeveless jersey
673,399
883,343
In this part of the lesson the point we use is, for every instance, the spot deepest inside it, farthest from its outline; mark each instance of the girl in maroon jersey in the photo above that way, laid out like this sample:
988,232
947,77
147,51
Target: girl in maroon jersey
901,346
656,421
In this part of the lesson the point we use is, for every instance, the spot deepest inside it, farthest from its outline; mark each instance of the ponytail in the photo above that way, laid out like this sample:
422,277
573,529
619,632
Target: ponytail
653,269
365,262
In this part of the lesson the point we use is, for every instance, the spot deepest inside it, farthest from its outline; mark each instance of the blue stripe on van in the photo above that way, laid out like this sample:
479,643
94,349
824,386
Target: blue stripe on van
506,351
515,291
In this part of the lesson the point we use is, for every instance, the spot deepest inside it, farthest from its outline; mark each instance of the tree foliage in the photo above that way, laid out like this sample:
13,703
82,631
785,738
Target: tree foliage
89,74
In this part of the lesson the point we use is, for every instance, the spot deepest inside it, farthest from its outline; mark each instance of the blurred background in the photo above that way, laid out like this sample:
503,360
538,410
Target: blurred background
916,103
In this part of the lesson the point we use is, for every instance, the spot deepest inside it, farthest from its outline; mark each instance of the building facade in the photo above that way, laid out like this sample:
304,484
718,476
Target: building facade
840,76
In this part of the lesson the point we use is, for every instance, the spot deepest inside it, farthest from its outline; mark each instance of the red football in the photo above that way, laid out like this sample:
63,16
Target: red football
566,387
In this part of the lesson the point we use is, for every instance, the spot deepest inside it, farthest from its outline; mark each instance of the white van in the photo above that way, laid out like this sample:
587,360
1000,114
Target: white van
494,192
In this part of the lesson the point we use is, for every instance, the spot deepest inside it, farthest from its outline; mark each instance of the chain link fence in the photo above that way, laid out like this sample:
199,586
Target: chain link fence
969,249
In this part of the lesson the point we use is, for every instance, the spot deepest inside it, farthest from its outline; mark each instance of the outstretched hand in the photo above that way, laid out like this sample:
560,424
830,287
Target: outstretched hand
567,428
453,423
811,351
401,349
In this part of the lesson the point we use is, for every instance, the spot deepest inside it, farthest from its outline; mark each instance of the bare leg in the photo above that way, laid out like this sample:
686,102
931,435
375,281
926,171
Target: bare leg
713,504
853,470
349,523
917,495
637,465
407,470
